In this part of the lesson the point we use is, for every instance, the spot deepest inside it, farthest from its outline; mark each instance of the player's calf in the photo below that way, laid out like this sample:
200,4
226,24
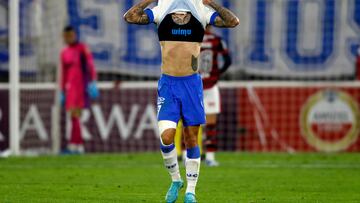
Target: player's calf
193,160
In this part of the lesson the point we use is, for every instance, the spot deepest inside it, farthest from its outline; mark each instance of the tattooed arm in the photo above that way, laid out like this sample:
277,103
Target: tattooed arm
226,18
136,14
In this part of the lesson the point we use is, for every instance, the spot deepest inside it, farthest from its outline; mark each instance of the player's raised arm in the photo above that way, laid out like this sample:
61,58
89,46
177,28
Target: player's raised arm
226,18
137,15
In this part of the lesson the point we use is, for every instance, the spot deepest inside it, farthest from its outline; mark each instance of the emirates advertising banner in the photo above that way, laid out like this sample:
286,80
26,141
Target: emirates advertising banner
254,119
122,120
280,38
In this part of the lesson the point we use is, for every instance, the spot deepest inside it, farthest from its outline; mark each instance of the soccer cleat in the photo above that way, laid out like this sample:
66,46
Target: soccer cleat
73,149
174,189
68,152
212,163
190,198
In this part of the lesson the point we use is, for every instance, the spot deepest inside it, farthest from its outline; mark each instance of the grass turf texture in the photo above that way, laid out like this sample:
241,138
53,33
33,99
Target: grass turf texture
140,178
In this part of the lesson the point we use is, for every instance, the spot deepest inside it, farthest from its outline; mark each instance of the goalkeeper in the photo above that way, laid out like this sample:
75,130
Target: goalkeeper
78,84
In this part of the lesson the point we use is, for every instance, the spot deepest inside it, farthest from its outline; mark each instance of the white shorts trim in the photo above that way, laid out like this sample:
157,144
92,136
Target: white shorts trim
212,102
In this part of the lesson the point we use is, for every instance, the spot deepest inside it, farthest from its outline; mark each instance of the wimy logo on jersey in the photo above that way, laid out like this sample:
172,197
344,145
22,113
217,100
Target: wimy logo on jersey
182,32
330,120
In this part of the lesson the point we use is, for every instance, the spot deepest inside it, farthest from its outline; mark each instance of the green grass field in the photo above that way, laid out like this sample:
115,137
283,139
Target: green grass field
142,178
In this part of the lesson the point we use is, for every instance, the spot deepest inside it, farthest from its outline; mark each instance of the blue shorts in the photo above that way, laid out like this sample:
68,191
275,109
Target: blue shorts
181,98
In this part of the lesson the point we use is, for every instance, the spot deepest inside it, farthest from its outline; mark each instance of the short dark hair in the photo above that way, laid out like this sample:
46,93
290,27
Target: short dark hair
69,28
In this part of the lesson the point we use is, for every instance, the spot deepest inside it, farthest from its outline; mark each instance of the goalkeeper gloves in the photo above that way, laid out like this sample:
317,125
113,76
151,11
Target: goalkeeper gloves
62,98
93,91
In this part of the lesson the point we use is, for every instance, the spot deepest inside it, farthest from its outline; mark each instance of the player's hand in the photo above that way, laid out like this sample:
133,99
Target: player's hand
207,2
93,91
62,98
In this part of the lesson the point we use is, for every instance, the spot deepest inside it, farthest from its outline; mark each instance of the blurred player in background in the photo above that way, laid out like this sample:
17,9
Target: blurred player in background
181,28
78,84
212,47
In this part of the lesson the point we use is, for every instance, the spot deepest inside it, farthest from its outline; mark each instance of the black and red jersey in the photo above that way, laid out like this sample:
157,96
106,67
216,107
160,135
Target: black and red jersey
211,48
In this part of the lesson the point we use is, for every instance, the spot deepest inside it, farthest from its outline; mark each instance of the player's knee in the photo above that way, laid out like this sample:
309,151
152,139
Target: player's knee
167,131
191,137
167,137
191,141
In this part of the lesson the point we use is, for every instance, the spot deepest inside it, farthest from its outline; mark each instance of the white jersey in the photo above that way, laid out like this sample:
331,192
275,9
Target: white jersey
202,13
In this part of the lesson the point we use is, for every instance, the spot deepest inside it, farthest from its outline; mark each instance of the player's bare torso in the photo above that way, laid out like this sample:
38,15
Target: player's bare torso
180,58
181,43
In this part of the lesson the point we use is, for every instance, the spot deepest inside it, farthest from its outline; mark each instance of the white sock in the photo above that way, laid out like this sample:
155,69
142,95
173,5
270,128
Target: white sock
192,173
171,164
210,156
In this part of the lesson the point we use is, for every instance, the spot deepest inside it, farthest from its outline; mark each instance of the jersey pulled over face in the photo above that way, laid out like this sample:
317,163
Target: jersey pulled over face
181,28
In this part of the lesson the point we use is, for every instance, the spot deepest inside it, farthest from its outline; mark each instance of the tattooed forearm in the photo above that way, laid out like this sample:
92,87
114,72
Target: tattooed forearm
226,19
136,14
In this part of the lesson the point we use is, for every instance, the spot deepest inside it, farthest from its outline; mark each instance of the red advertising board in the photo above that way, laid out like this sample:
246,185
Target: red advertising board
299,119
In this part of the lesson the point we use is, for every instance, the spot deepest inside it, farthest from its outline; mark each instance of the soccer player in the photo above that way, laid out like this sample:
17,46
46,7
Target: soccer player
181,28
78,84
212,47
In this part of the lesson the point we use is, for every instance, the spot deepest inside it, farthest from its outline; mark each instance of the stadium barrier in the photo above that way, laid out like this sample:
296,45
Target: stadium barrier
256,117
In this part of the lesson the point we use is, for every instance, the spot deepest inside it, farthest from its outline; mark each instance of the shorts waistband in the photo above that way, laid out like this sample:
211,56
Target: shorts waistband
190,77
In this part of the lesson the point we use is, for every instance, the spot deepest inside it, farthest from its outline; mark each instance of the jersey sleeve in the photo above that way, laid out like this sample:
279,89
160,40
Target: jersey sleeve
222,48
210,15
90,63
153,14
